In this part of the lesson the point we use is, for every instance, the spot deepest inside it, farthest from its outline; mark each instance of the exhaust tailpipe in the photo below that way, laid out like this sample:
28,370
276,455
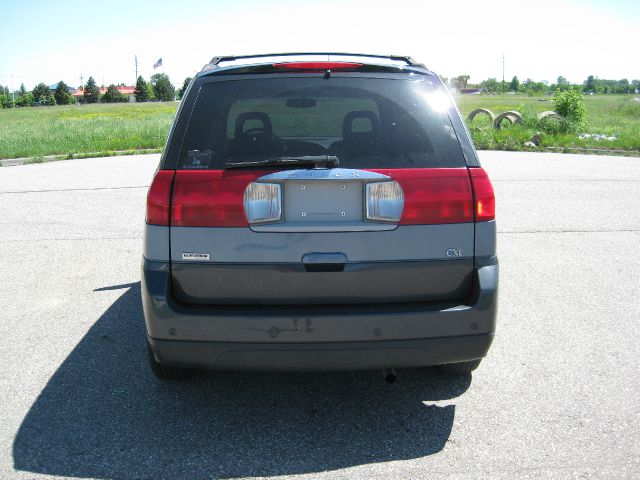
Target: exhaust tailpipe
389,375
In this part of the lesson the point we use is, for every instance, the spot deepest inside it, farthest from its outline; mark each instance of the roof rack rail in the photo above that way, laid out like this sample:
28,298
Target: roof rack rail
215,61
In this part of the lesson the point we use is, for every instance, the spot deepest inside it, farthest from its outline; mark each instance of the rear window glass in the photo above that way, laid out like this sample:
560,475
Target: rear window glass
365,122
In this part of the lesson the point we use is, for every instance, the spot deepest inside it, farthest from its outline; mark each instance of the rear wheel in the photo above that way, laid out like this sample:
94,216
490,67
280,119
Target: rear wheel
167,372
461,367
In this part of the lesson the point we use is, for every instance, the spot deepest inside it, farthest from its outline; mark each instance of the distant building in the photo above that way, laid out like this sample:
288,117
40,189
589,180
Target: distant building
52,88
470,91
130,92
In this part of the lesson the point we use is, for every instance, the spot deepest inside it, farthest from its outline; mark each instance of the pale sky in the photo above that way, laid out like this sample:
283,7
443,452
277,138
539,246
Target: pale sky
48,41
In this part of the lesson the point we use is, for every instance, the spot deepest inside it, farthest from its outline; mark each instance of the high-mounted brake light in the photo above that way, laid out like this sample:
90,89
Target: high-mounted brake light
159,198
318,66
485,202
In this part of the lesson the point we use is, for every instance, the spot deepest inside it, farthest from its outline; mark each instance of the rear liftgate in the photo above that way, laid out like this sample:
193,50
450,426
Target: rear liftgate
322,236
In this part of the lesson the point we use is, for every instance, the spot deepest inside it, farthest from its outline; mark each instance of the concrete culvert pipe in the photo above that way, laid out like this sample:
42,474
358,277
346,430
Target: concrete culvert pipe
483,111
511,115
551,115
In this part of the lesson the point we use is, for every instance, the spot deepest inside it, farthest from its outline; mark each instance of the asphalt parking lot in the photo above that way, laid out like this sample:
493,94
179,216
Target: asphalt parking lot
557,397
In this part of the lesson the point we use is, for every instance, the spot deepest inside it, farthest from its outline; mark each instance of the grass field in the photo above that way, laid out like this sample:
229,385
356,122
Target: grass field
613,115
103,129
74,129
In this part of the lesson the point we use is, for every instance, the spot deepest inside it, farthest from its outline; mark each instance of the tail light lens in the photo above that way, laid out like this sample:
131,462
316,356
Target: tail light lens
159,198
232,198
434,195
485,202
263,202
385,201
210,198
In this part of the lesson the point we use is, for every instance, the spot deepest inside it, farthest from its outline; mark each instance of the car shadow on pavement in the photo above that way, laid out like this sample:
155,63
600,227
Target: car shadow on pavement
104,415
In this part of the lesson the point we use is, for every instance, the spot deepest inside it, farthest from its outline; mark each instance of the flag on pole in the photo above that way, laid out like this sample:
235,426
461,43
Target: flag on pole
158,63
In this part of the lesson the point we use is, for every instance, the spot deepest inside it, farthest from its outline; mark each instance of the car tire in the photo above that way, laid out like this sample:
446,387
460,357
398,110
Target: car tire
461,367
167,372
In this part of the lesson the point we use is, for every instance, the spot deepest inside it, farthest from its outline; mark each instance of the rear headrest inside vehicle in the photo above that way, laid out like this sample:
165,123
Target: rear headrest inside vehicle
360,135
360,125
251,123
254,137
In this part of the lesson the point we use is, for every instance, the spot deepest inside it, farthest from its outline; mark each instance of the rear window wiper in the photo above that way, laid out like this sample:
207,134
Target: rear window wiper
318,161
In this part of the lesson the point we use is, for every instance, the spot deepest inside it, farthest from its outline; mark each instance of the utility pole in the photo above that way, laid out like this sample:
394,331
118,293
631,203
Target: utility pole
81,83
136,62
13,92
503,73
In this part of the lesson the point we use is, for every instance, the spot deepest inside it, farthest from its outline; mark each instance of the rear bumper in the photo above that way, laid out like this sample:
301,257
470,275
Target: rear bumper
321,356
319,337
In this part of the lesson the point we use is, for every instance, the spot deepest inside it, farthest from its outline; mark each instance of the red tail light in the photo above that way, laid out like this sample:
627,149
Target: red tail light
318,66
485,202
432,196
159,198
211,198
215,198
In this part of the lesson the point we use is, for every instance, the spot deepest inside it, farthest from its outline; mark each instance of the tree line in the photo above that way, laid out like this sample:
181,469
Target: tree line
591,85
40,95
158,88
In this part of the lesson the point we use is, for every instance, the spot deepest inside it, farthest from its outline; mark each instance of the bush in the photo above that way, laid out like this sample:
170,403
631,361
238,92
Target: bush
91,92
184,87
62,95
6,101
25,100
142,90
531,122
570,104
554,126
112,95
529,117
40,94
162,87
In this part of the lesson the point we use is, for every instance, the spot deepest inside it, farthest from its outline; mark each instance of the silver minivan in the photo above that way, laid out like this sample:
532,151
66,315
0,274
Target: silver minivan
318,211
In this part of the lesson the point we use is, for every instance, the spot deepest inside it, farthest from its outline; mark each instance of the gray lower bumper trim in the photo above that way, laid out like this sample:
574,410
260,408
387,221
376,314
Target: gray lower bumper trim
322,356
314,324
351,284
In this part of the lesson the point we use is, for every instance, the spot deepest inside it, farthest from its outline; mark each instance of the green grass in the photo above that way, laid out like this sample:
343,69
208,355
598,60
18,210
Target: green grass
92,130
84,129
613,115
